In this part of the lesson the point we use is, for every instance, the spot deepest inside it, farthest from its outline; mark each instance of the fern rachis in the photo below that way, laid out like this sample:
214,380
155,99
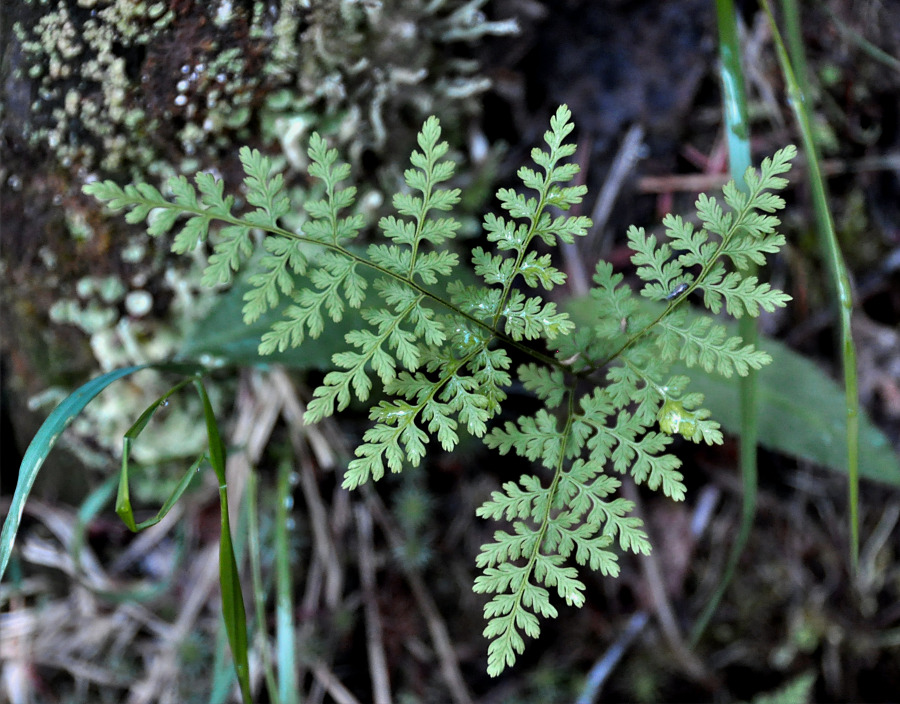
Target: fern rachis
442,358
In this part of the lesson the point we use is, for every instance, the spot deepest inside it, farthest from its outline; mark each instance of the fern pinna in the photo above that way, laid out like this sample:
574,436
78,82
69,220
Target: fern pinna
443,358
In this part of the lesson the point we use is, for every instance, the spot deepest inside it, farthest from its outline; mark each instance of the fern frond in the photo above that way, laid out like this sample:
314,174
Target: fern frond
654,264
263,189
337,285
283,261
529,318
440,347
545,383
326,223
742,294
572,514
705,343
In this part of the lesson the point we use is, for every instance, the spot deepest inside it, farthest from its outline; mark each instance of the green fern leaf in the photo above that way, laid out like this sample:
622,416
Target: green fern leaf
610,405
536,438
284,260
234,247
707,344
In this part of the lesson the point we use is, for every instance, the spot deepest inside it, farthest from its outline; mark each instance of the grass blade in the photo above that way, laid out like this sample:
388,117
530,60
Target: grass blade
123,498
840,279
288,690
232,597
737,129
44,440
259,590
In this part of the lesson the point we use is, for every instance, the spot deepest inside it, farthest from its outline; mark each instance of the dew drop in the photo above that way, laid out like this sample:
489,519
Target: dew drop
181,100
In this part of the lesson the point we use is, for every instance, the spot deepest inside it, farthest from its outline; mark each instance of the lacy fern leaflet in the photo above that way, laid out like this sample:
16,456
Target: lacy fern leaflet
442,359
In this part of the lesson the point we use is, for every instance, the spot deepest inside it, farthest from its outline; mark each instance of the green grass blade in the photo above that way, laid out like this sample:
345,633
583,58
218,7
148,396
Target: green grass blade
288,690
840,279
259,590
232,597
737,130
734,95
123,498
40,446
223,668
96,502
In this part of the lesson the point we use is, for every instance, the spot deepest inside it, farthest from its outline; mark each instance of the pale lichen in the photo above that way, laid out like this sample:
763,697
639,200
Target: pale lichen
117,84
142,90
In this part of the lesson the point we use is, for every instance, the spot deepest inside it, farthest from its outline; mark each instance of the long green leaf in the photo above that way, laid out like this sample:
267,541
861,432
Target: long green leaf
839,276
44,441
123,499
232,597
737,130
802,414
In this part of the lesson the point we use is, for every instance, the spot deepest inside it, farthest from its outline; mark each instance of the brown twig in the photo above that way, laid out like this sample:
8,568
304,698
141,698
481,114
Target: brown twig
378,671
437,628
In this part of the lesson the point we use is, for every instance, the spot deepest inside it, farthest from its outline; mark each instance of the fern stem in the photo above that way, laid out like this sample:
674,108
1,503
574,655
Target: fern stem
420,223
551,496
647,379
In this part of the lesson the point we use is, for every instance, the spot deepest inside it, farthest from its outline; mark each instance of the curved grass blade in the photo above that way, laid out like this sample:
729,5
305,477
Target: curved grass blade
44,440
123,499
737,129
232,598
142,593
48,435
839,276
